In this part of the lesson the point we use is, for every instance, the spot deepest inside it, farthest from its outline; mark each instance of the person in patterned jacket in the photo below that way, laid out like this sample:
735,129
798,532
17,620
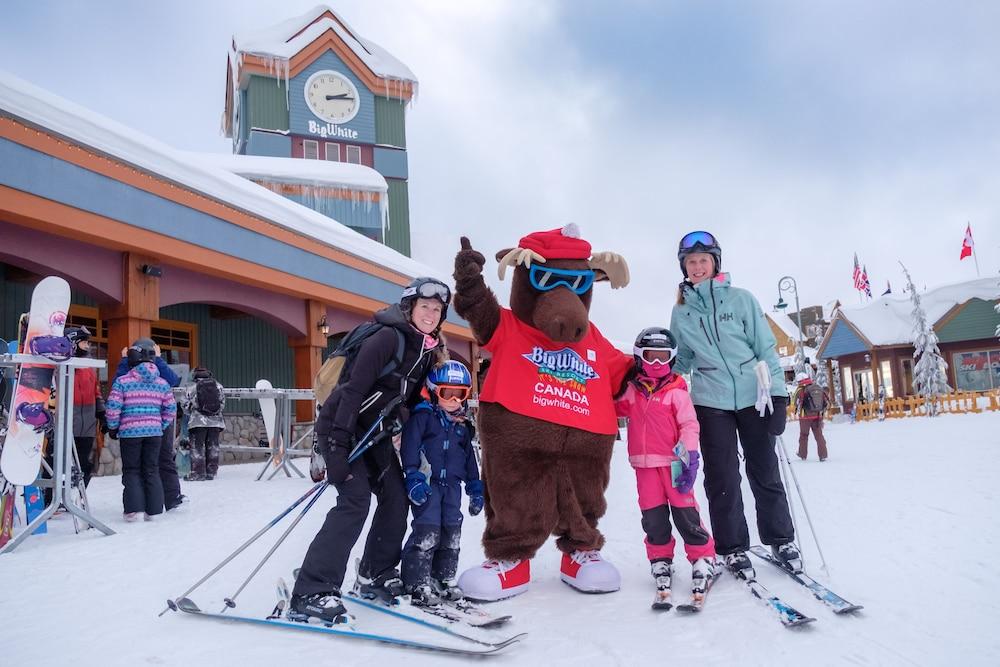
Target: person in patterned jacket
139,408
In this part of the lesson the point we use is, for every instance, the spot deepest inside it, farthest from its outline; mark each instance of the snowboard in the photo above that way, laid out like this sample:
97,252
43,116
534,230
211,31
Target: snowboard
34,504
21,457
268,412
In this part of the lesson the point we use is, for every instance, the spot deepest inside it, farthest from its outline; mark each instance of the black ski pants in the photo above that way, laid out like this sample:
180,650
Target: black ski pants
204,451
141,475
325,564
719,430
169,480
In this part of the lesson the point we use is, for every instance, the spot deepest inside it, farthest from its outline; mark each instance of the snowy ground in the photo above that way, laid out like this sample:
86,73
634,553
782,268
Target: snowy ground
906,511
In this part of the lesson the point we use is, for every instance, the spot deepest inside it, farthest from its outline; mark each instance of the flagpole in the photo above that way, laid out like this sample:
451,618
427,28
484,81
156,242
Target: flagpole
974,257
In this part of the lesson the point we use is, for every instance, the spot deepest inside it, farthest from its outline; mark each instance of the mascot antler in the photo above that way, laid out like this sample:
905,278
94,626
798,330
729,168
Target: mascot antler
610,266
518,256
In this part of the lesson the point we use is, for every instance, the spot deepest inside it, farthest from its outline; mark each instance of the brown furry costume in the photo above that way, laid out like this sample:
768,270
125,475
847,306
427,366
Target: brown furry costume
541,478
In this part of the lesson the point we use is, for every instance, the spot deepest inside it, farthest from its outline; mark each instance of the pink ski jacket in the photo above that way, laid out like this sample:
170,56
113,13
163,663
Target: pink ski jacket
657,422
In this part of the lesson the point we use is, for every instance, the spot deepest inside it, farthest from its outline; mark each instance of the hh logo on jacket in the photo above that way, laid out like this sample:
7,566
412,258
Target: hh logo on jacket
726,317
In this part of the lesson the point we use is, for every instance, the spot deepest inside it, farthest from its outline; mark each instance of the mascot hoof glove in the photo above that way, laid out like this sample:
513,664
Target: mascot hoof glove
496,580
588,572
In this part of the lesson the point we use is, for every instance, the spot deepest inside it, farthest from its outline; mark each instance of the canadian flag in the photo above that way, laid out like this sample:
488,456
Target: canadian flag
967,243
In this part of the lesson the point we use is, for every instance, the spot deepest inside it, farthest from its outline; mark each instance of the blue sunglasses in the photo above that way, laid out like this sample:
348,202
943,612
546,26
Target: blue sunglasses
545,279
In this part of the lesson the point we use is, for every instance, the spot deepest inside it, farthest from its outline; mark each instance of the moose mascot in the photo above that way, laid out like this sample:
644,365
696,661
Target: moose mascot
546,417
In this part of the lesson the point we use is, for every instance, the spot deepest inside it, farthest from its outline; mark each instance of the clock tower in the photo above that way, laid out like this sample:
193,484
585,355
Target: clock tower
312,88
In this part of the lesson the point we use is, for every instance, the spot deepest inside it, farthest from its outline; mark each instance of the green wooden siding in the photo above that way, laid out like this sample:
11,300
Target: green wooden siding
15,298
976,320
397,236
390,122
267,106
239,351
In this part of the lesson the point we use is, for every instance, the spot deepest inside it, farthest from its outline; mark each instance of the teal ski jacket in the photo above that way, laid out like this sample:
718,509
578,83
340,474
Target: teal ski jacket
721,334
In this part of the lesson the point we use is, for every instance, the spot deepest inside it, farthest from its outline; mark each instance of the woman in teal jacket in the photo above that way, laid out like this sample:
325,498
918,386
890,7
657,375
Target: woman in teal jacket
722,335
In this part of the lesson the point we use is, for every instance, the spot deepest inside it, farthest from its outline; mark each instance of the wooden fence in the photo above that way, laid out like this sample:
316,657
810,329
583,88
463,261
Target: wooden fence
959,402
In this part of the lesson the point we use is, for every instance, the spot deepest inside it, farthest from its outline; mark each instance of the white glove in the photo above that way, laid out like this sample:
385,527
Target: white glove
763,402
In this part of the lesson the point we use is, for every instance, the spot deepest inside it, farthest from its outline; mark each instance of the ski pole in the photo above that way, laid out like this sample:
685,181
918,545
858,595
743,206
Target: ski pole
172,605
783,466
367,440
802,501
231,601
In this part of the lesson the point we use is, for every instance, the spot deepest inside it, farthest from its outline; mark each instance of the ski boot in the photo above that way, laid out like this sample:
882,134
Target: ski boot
326,607
789,555
740,565
424,595
662,570
384,588
448,590
702,571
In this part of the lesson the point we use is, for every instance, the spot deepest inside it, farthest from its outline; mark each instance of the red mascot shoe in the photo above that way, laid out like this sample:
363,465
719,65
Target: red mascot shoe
588,572
496,580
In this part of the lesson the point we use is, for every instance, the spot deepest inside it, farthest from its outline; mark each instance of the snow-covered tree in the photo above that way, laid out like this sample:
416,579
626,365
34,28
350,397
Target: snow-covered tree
997,308
836,383
930,379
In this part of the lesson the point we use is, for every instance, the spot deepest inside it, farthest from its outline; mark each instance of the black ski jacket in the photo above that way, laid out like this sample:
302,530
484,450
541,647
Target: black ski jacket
359,397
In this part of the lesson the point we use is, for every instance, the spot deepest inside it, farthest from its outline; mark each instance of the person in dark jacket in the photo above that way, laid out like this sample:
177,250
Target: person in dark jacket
437,457
354,406
88,405
172,496
205,423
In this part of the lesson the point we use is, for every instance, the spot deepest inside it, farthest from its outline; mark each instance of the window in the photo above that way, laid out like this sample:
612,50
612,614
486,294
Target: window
907,366
332,152
354,154
977,371
847,382
885,371
85,316
177,341
310,149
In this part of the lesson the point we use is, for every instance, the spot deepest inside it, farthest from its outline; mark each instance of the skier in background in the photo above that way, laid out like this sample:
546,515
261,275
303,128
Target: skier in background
172,496
810,403
437,457
203,402
140,408
721,335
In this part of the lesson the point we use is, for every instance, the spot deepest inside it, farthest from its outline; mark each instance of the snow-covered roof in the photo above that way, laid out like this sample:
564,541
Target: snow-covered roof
786,324
287,38
295,170
41,108
888,320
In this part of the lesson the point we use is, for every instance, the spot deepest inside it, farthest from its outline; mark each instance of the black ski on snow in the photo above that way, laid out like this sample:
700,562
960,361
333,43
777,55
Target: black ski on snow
188,606
697,601
789,616
836,603
397,611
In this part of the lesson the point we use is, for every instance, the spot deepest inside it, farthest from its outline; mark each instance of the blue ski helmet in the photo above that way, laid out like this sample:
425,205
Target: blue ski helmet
450,374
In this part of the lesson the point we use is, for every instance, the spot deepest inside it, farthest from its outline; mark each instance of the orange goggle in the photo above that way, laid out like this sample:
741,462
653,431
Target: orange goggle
449,393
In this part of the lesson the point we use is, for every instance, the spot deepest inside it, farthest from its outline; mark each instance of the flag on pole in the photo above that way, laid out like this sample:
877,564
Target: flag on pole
967,243
858,284
865,285
888,288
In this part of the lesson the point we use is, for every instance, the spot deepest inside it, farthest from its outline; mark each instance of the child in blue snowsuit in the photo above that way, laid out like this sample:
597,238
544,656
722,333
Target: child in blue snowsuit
437,457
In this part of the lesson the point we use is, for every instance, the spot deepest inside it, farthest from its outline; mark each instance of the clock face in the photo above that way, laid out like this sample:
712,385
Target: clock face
332,97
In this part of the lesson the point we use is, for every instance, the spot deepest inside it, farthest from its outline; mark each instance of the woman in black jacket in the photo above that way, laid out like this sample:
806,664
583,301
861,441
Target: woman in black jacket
363,390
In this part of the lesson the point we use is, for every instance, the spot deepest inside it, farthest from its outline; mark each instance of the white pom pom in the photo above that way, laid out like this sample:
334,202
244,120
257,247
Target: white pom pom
571,230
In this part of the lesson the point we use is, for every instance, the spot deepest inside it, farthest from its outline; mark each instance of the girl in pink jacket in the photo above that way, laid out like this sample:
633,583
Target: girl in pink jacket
663,450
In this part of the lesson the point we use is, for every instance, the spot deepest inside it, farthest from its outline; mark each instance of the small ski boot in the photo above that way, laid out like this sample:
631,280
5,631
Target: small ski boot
424,595
384,588
662,571
789,555
448,590
326,607
702,571
739,564
131,517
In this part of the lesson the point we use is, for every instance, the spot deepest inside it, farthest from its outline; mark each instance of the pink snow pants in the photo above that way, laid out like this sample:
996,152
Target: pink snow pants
658,500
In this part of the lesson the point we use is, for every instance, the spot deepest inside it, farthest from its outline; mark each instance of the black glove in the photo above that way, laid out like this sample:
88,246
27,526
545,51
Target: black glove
338,470
113,432
102,421
776,420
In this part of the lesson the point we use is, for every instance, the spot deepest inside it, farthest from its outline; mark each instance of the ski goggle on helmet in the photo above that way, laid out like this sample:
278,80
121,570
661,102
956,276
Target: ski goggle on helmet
545,279
656,346
449,381
427,288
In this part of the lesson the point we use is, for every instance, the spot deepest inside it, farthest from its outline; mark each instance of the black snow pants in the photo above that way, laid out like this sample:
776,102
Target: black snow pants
325,564
141,475
204,451
719,429
169,480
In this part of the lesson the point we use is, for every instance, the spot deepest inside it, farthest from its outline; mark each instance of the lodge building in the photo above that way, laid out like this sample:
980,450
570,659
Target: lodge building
251,264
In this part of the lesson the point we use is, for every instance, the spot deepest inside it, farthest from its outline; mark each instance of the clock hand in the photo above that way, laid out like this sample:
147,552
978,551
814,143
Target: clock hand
342,96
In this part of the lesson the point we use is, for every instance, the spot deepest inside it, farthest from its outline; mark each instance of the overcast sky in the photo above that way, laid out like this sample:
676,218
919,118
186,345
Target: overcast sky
798,133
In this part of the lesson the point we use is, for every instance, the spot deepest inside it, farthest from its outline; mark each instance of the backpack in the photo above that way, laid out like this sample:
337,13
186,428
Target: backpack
208,398
814,399
338,364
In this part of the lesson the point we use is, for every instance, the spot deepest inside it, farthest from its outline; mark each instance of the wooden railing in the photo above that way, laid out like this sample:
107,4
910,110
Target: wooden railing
959,402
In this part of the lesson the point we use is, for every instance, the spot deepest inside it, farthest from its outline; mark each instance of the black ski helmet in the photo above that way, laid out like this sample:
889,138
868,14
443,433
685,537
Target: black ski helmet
145,349
699,241
658,338
77,335
426,288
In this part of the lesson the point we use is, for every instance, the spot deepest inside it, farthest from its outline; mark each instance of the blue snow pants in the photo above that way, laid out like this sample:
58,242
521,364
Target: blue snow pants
436,534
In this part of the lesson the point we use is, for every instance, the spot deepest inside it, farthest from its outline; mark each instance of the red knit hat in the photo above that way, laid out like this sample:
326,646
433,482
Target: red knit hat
564,243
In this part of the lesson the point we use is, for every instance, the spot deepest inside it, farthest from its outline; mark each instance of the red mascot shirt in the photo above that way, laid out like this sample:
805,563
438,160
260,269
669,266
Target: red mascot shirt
564,383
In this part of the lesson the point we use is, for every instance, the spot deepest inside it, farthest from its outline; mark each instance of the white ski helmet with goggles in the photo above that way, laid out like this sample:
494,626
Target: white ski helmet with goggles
693,242
654,345
424,287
